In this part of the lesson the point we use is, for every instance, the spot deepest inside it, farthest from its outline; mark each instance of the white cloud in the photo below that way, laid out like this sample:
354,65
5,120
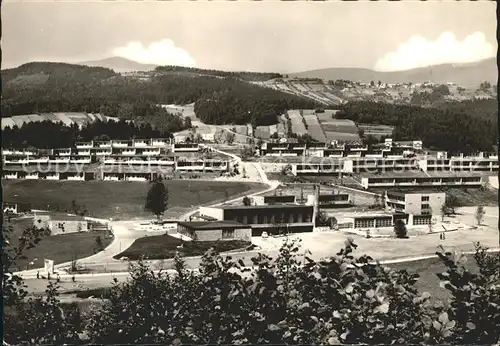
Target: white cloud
163,52
419,52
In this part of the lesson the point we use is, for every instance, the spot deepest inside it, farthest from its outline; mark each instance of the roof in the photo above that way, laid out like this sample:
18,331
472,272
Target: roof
51,168
211,225
272,206
60,216
139,169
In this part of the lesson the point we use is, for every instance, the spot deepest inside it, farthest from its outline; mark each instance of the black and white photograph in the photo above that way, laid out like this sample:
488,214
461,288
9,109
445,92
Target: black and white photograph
250,172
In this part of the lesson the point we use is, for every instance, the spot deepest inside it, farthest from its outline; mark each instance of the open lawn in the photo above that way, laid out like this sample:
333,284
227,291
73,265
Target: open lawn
428,270
121,200
59,248
165,246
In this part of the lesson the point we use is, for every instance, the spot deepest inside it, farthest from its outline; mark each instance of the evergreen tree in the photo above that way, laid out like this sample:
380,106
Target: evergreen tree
157,198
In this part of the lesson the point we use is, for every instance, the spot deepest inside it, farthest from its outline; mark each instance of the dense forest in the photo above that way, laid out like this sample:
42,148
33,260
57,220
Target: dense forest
247,76
49,87
460,128
58,135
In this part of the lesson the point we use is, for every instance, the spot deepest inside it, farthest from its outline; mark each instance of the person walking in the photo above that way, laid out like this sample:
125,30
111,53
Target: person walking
38,275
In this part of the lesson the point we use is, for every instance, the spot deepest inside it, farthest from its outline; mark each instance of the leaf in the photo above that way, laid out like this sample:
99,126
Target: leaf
451,324
426,295
470,325
303,306
349,288
370,294
443,318
273,327
436,325
344,335
333,341
337,314
382,308
283,324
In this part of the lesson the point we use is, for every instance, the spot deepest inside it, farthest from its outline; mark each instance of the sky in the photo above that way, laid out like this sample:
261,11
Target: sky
264,36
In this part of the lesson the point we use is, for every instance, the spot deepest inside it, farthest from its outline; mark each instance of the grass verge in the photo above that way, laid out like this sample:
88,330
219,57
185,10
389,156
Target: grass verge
59,248
165,246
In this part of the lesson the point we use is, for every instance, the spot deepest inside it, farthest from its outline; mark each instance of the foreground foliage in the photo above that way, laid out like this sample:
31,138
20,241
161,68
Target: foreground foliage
291,300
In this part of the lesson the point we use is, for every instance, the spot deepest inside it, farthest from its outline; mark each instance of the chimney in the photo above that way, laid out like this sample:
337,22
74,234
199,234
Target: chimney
315,204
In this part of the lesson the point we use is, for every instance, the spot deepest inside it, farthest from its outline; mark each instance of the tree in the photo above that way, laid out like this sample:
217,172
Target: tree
99,244
444,212
157,198
451,202
247,201
400,229
485,85
480,214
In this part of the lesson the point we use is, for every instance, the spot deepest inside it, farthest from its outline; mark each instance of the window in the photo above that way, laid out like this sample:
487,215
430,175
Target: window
364,223
228,234
384,222
425,198
425,206
421,220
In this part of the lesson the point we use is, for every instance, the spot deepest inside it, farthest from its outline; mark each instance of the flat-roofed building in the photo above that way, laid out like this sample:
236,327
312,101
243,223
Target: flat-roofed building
201,165
381,220
215,230
60,223
328,167
186,147
334,200
282,149
16,208
415,203
420,179
382,164
288,218
273,199
481,162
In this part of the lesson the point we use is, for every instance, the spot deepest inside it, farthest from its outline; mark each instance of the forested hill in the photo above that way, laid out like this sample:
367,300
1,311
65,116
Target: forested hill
247,76
56,87
466,127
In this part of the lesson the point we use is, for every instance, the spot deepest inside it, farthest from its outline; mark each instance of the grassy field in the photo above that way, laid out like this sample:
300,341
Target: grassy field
428,281
59,248
165,246
121,200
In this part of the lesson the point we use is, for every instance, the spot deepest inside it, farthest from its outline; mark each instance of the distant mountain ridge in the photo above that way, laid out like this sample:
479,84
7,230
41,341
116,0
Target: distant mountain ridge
120,65
468,74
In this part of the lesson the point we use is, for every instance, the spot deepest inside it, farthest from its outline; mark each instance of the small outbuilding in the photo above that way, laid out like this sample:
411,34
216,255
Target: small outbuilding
60,223
215,230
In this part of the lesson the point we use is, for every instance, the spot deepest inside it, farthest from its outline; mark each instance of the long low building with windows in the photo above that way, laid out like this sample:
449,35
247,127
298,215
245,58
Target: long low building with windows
50,172
412,179
273,219
215,230
380,220
482,162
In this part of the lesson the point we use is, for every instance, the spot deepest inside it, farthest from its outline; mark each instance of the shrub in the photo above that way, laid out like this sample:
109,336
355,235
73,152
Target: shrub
288,300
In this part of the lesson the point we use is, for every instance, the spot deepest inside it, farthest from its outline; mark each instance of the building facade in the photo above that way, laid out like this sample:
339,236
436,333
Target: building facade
415,203
215,230
282,218
60,223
